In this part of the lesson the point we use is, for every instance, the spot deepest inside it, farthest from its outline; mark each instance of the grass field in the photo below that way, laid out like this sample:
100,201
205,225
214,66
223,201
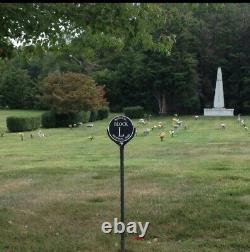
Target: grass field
194,188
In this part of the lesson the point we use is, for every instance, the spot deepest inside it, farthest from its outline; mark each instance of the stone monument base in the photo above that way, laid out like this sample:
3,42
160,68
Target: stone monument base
218,112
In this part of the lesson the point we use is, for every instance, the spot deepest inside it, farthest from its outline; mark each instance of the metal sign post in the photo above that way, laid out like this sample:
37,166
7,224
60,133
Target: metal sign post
122,194
121,131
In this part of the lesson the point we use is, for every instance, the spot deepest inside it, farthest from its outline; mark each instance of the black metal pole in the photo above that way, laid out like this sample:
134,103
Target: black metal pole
122,194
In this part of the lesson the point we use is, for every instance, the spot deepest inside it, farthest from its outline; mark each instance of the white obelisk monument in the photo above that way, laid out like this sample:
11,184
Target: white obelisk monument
219,107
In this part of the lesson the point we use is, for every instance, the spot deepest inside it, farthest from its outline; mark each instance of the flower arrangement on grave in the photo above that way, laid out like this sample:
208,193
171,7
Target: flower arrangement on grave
21,136
1,133
223,126
91,138
146,131
162,136
171,132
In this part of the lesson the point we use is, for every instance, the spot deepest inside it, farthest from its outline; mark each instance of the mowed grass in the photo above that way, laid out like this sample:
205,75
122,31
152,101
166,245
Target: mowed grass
194,188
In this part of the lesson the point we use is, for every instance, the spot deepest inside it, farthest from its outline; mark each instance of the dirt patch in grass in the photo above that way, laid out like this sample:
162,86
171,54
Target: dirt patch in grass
137,191
132,193
245,199
45,197
96,200
14,185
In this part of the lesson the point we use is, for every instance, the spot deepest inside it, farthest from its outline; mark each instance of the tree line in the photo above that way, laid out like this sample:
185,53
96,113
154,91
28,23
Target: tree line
162,56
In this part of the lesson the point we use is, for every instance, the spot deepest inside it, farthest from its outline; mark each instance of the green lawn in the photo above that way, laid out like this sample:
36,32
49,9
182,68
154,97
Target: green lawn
194,188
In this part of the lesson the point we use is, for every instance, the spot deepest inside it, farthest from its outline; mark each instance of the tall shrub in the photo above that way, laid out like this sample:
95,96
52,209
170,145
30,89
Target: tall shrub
18,124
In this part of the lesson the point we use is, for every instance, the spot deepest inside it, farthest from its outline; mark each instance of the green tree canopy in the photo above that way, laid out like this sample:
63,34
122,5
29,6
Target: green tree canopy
87,24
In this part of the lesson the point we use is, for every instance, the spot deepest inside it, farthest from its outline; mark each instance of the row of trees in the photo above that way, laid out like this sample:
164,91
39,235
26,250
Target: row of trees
161,56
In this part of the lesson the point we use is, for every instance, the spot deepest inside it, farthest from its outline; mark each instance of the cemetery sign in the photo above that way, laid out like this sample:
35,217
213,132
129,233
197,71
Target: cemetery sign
121,130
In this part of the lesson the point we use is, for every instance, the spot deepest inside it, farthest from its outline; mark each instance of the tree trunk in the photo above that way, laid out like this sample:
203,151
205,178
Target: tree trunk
161,99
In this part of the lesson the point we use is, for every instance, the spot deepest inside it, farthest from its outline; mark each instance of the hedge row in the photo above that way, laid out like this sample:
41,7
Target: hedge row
53,120
99,114
18,124
134,112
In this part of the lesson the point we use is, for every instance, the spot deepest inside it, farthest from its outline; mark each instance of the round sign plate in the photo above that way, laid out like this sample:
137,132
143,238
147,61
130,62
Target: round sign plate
121,130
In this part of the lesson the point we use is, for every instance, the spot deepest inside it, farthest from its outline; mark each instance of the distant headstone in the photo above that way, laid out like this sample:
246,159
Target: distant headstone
219,106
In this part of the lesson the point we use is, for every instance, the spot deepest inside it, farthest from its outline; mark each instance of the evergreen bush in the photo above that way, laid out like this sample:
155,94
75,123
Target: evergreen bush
102,113
48,120
53,120
19,124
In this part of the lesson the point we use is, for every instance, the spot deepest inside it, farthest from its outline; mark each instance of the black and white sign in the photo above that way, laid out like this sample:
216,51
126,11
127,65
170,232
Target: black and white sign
121,130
